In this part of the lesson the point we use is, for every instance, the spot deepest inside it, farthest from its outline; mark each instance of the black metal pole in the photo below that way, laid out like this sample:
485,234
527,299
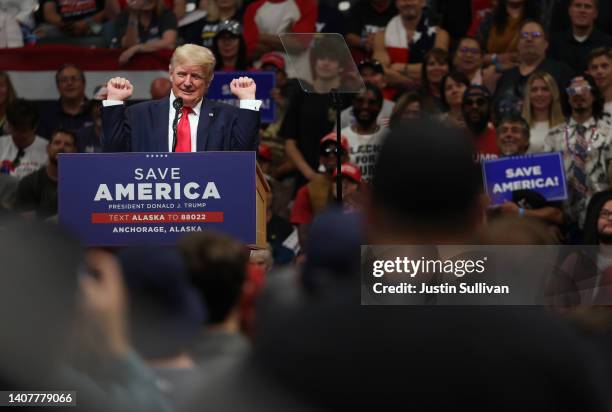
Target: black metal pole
337,103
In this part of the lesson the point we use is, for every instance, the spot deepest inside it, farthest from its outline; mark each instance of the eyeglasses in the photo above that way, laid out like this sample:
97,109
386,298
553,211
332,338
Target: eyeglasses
533,34
66,79
473,50
574,90
369,62
513,130
605,214
329,150
478,102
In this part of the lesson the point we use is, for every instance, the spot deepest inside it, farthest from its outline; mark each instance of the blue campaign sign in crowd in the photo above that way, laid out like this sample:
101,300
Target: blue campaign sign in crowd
219,90
542,173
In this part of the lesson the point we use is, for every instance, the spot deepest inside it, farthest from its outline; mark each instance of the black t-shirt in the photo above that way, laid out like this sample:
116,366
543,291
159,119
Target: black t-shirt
73,10
309,117
87,141
203,31
159,24
364,19
329,20
37,192
52,117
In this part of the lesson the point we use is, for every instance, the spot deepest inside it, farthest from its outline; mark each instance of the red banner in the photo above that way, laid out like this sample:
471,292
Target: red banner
157,217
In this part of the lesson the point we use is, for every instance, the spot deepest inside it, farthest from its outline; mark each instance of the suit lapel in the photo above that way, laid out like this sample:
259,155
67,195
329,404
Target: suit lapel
160,119
204,123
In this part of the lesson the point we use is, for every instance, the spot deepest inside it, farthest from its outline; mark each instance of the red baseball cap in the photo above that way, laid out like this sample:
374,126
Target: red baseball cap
277,59
351,171
331,137
264,152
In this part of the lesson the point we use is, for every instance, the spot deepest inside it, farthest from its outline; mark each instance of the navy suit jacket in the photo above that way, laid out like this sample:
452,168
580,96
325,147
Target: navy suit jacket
143,127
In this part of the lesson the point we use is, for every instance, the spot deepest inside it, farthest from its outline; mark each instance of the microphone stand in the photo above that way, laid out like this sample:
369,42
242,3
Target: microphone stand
337,104
178,113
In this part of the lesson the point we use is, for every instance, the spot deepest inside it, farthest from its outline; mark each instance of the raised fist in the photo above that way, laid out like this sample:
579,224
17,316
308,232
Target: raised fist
243,88
119,89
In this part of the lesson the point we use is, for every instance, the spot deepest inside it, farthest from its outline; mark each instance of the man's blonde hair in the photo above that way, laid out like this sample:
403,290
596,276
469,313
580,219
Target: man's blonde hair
194,55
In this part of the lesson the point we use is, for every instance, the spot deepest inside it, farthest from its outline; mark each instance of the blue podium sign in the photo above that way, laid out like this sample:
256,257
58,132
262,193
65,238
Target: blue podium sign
543,173
121,199
219,90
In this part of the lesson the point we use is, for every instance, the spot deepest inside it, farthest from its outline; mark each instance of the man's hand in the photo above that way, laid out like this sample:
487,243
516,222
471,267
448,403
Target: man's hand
243,88
80,28
509,207
119,89
128,54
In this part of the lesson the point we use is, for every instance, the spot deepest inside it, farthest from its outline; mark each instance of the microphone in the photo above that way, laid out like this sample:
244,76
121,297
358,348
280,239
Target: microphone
178,105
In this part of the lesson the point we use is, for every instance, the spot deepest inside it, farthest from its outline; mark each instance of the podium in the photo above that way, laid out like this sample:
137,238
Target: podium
128,199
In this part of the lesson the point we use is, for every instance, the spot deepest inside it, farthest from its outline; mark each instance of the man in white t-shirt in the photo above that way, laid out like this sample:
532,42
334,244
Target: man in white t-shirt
371,71
22,152
365,136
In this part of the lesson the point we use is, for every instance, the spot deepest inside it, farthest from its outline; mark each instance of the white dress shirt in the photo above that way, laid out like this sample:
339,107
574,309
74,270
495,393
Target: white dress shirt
194,117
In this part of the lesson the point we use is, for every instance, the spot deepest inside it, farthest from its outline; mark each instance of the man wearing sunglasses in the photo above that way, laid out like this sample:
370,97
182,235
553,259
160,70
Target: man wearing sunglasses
585,141
573,45
476,108
532,47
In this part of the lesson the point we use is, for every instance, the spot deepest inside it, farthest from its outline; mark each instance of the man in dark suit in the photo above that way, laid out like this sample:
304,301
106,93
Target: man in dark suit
203,125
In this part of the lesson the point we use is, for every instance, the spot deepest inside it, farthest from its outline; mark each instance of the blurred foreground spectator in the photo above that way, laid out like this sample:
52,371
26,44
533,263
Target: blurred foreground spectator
166,313
61,289
217,267
37,192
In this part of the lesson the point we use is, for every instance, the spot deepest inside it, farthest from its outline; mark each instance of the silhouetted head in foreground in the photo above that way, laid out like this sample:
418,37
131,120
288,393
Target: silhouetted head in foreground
426,186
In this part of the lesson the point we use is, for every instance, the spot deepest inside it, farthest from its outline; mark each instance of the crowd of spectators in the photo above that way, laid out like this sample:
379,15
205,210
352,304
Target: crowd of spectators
475,80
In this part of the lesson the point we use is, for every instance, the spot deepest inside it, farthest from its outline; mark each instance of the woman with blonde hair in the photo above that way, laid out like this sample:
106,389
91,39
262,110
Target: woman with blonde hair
541,108
7,96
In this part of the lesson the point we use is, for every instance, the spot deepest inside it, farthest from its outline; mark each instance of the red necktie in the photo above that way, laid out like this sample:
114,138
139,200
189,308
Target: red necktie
183,139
